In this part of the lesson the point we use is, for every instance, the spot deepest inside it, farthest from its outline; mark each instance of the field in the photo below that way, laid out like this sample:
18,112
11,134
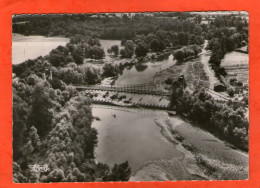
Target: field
193,72
236,66
195,75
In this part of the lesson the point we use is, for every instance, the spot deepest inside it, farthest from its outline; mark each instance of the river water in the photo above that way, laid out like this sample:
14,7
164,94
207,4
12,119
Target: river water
31,47
130,135
143,73
140,73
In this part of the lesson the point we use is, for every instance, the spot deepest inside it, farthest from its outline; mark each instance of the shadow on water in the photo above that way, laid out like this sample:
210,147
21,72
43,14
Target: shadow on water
140,67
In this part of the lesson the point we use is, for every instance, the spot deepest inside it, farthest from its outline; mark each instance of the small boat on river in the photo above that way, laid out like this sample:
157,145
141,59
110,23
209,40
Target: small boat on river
171,113
121,104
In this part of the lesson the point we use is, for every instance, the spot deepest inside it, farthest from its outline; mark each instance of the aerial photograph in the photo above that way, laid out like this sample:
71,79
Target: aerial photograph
134,96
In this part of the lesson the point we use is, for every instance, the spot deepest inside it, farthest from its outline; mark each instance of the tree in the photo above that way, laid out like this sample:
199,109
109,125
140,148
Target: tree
198,19
128,50
78,55
115,49
109,50
168,81
179,55
41,116
57,57
92,75
18,177
120,172
57,175
231,92
183,38
110,70
34,137
156,45
97,52
123,53
21,112
141,49
123,42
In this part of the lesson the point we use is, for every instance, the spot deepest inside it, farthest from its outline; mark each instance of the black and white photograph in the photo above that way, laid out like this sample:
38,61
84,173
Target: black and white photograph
134,96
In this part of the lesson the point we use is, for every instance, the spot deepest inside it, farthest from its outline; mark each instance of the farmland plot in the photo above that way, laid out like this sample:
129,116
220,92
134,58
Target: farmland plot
236,66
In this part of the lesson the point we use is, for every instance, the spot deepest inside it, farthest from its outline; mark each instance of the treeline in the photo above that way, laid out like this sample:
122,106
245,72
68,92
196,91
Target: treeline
227,121
226,34
140,45
187,52
64,64
161,40
71,74
105,26
52,121
53,126
79,48
140,34
58,77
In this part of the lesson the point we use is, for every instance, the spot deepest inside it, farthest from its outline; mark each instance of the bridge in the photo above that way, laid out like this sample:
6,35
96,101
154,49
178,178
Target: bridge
146,89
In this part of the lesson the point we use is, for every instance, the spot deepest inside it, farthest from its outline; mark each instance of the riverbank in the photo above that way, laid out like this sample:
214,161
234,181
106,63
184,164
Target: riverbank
181,169
218,159
205,156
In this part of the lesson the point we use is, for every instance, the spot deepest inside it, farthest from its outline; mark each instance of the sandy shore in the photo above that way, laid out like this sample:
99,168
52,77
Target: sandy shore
217,158
204,156
184,168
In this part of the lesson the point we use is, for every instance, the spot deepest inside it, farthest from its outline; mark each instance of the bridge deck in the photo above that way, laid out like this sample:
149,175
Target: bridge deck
127,89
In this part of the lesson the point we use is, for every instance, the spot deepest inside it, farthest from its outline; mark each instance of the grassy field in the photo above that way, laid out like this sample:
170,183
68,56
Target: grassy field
236,66
193,72
195,75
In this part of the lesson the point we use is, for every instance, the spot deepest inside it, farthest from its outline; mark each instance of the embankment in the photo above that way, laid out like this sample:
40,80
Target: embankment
204,156
181,169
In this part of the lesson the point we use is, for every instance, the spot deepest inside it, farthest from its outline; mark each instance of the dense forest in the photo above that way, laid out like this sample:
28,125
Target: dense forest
226,120
102,25
53,126
52,120
226,34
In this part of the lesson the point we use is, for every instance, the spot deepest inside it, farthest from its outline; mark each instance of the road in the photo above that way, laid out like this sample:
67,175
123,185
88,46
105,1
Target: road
205,61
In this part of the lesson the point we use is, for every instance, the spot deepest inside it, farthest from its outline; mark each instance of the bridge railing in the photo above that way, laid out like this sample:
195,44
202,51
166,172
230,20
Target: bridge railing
137,88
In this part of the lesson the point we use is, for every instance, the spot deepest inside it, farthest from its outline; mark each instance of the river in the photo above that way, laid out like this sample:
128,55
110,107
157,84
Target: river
140,73
31,47
131,135
143,73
